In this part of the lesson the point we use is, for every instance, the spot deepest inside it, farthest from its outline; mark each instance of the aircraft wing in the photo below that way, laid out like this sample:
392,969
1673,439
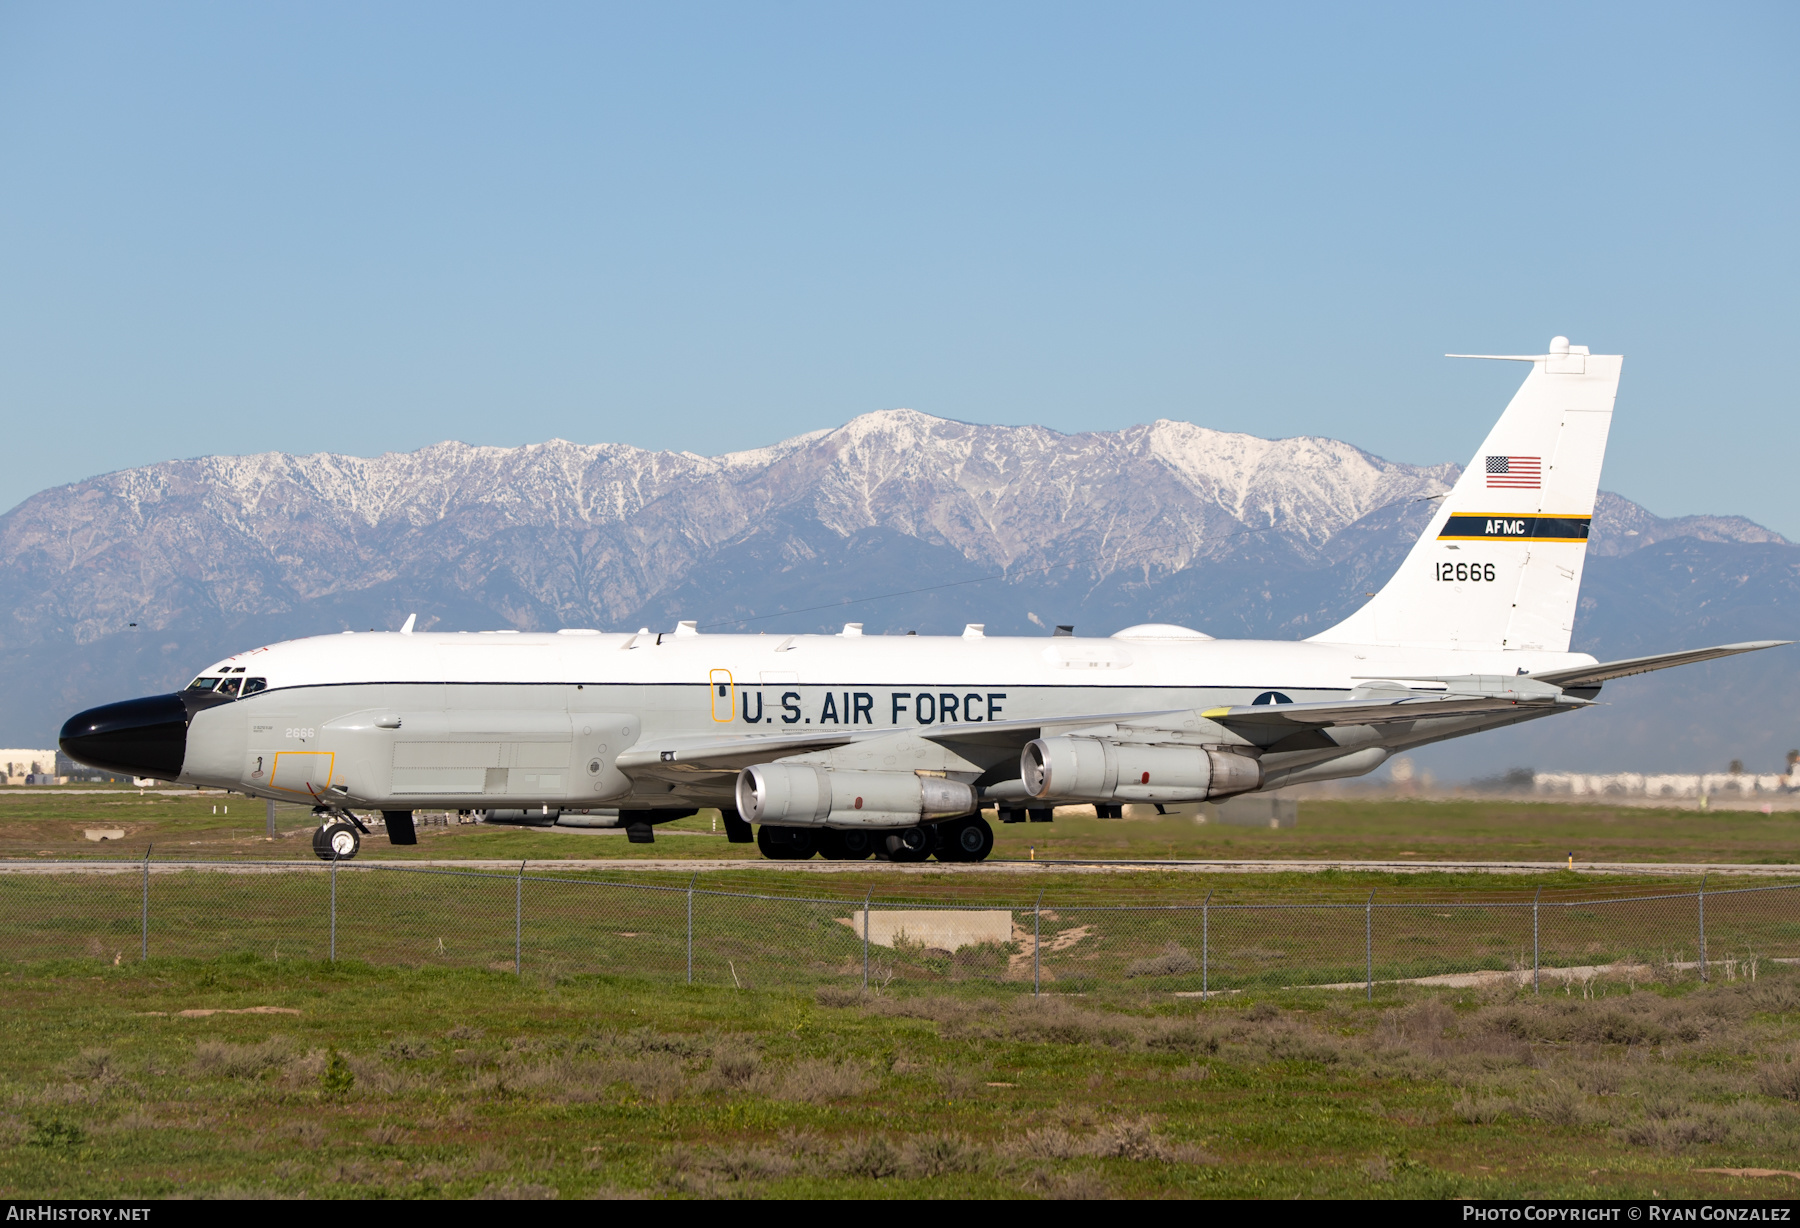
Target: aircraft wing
734,752
1594,675
730,753
1270,718
727,753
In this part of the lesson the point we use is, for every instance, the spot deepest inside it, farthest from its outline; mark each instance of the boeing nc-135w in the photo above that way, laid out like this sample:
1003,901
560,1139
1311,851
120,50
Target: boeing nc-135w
891,746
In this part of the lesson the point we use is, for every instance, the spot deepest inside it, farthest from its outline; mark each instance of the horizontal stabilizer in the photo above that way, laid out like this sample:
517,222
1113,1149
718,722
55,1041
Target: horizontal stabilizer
1594,675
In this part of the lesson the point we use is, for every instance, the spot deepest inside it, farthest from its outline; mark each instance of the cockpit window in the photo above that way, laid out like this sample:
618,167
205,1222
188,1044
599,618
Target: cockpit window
229,687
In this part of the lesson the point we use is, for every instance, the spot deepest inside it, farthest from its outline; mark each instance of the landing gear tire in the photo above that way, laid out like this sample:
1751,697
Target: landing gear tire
910,844
336,842
786,843
968,839
846,845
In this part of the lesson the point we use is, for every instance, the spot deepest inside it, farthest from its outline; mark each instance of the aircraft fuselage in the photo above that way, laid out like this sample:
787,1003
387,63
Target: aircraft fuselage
499,719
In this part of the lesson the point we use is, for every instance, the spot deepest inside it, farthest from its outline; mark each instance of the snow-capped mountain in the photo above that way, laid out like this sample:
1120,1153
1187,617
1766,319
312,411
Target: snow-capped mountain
130,581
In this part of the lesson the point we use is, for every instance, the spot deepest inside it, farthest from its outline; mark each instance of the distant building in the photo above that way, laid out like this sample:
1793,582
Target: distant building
17,765
1638,784
69,770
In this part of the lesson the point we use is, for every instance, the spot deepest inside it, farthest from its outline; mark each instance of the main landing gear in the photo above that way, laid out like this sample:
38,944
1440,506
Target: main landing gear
969,839
965,839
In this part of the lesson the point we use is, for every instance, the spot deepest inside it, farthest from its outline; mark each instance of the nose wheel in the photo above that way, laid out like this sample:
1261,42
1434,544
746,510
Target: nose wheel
336,841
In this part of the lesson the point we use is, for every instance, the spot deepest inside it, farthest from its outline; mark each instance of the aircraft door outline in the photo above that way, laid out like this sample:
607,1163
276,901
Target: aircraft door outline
724,696
302,771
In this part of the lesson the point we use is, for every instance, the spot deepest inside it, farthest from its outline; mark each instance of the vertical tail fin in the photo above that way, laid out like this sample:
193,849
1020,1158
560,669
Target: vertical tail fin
1499,566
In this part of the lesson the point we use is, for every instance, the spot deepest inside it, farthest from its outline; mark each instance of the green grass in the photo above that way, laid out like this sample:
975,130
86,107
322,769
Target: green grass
419,1065
53,824
767,929
434,1082
1264,930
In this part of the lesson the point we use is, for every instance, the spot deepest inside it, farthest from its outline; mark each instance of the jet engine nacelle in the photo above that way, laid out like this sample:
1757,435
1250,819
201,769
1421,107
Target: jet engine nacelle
802,795
1093,769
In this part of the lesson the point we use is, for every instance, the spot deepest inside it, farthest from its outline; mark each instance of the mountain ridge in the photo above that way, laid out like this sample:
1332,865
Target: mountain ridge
1166,521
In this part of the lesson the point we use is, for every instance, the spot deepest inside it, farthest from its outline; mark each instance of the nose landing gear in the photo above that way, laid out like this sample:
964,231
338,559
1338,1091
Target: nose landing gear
336,841
339,834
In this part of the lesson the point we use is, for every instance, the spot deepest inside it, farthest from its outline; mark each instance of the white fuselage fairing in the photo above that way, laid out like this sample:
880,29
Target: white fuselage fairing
393,721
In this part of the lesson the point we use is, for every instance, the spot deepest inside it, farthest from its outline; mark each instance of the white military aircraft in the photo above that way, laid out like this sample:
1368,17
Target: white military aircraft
851,746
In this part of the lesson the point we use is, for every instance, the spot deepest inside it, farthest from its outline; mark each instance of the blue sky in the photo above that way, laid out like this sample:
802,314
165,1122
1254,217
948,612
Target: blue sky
358,228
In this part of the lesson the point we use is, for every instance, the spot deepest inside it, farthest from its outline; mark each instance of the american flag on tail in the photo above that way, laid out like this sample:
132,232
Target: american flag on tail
1515,472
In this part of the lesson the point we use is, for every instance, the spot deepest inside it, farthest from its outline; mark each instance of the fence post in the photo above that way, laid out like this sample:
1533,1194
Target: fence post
1037,943
866,899
1205,941
1369,944
144,921
690,979
1534,939
519,923
1701,896
334,861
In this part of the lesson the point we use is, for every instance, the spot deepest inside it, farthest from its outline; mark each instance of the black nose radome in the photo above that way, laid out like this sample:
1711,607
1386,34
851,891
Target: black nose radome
142,737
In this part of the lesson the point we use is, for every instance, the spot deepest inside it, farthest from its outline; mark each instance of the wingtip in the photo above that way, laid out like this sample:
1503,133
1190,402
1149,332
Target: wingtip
1215,713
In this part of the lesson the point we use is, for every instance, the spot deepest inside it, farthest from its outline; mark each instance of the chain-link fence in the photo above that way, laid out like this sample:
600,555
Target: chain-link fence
564,924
